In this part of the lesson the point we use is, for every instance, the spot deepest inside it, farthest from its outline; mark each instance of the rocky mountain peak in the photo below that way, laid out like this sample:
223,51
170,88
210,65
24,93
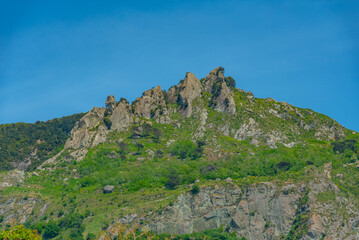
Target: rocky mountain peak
150,100
110,103
215,75
188,90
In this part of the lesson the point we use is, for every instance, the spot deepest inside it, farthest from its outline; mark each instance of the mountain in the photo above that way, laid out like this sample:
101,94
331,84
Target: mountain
204,159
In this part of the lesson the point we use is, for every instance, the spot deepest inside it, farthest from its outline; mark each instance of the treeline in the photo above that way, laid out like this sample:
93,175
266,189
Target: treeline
37,141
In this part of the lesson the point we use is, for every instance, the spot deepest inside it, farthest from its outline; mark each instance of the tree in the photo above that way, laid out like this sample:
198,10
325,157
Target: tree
157,133
19,232
139,146
195,189
51,230
173,178
91,236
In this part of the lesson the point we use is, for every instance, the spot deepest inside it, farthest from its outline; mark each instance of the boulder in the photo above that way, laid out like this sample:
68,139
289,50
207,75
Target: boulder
108,189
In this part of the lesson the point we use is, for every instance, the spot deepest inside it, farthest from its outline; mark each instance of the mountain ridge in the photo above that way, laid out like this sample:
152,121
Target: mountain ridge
202,155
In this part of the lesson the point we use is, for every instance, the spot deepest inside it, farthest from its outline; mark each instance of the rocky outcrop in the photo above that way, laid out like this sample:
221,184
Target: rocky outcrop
223,100
110,104
249,130
146,105
122,116
11,178
189,90
262,211
265,210
18,208
83,133
213,77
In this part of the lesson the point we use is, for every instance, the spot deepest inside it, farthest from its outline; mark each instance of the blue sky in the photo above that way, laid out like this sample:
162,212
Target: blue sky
62,57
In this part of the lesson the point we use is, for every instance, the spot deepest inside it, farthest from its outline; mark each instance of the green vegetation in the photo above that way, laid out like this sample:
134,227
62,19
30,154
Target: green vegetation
150,164
43,139
300,223
19,232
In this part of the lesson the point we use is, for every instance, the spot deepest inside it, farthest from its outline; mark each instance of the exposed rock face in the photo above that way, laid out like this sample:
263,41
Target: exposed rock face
190,89
110,104
11,178
250,129
224,101
172,94
212,77
18,208
147,104
263,210
81,134
122,116
245,212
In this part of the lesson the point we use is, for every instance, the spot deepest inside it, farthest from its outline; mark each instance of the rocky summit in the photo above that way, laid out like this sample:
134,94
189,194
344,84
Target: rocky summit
201,160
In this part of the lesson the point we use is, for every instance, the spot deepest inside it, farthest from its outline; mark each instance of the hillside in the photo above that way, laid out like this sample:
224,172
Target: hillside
202,155
26,145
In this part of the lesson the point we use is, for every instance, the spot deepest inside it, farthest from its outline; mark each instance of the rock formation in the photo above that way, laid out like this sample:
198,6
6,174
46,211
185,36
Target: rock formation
110,104
122,116
82,133
189,90
146,105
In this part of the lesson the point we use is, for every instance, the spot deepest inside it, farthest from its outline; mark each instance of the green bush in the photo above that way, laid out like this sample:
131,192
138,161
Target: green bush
195,189
19,232
51,230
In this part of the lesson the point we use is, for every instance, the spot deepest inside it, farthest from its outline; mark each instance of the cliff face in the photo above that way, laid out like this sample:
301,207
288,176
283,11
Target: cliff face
264,210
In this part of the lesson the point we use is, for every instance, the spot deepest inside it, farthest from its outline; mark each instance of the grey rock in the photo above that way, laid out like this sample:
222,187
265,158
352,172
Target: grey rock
108,189
150,100
81,134
110,104
189,90
122,116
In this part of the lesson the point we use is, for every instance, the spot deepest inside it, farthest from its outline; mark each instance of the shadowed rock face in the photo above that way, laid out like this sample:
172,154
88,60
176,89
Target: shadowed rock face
212,77
110,104
224,101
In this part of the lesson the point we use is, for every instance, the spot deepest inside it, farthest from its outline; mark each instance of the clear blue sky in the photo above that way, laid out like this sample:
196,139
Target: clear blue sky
62,57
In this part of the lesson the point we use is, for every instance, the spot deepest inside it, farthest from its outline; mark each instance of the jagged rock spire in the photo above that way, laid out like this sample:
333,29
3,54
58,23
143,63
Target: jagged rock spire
110,104
222,99
212,77
190,89
150,100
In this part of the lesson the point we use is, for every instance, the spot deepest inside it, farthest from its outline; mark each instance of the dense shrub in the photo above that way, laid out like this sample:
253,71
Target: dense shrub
341,146
19,232
187,149
195,189
51,230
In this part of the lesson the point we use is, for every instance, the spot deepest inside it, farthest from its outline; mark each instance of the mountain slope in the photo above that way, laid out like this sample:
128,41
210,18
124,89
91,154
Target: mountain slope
26,145
263,168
